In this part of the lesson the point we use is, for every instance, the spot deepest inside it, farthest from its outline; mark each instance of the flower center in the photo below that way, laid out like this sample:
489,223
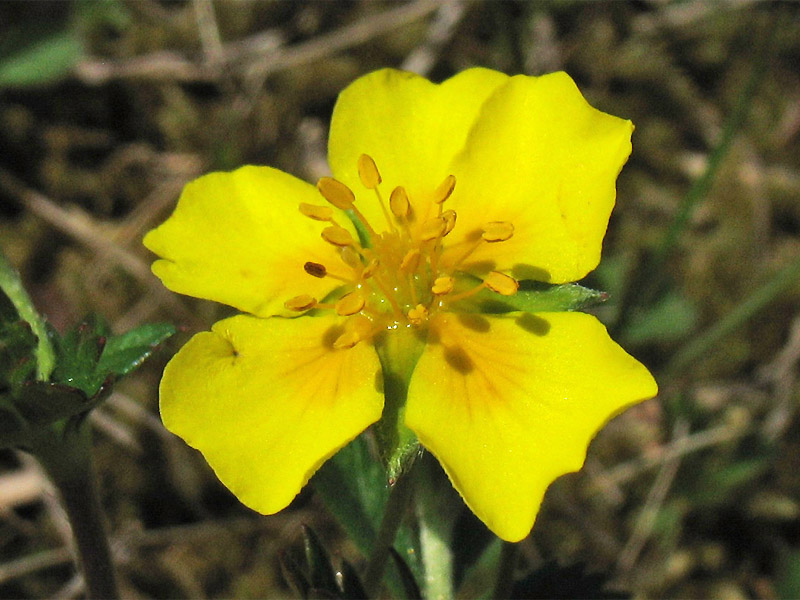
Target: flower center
397,276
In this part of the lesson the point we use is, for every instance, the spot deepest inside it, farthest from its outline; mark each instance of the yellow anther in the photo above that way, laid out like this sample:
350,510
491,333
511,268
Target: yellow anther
336,193
368,172
497,231
501,283
369,269
301,303
432,229
444,190
351,258
417,315
347,340
338,236
350,304
410,261
315,269
318,213
449,217
398,202
443,285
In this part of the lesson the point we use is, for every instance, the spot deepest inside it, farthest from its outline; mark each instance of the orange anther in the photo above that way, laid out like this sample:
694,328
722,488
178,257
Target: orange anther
410,261
444,190
501,283
347,340
336,193
417,315
349,304
497,231
300,303
368,172
338,236
432,229
449,217
443,285
398,202
318,213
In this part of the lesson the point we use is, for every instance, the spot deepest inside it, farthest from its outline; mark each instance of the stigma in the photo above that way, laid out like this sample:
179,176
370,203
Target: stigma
396,276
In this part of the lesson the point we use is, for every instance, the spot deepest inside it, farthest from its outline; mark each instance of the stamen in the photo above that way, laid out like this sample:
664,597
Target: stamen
449,217
398,202
338,236
350,304
300,303
318,213
444,190
432,229
501,283
410,261
337,193
417,315
497,231
351,258
347,340
368,172
315,269
443,285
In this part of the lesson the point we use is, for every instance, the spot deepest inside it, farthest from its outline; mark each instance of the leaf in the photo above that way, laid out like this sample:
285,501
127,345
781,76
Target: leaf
320,572
77,353
534,296
40,59
43,403
670,319
124,353
410,587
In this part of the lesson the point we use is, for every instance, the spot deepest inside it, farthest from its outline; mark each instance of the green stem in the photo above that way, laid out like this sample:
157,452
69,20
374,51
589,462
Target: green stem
435,531
11,285
504,585
393,514
66,456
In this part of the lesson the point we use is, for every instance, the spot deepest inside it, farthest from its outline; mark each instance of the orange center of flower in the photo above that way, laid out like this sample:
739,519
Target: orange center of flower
398,279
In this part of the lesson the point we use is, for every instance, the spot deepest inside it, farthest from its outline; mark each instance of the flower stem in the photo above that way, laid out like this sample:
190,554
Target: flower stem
11,285
435,531
505,571
66,457
396,505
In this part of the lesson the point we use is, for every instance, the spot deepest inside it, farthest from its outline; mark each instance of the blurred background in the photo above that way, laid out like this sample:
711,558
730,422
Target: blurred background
108,107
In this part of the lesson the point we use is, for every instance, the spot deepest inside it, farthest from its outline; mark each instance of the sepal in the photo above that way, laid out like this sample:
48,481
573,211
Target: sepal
535,296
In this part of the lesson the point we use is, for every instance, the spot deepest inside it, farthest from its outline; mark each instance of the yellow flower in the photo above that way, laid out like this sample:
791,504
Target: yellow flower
473,184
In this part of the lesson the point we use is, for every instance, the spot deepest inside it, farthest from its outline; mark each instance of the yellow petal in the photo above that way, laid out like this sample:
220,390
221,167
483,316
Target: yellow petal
508,404
239,238
410,127
539,157
267,401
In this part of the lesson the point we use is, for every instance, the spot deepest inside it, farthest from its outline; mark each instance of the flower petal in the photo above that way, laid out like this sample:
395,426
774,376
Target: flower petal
507,405
411,127
543,159
267,401
239,238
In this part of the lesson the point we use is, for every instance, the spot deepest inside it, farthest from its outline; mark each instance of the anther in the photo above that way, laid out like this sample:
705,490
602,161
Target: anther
368,172
300,303
398,202
497,231
335,192
315,269
417,315
338,236
410,261
443,285
432,229
501,283
449,217
347,340
351,258
349,304
318,213
444,190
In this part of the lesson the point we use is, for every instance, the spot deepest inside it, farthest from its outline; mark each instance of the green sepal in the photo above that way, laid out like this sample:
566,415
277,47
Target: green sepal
535,296
126,352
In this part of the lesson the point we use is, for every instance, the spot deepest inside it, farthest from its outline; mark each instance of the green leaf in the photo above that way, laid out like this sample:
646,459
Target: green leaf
534,296
77,353
318,561
43,403
124,353
13,428
670,319
41,59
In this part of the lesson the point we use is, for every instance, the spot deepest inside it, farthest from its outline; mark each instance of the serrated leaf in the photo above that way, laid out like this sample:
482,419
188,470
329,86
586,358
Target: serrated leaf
42,403
77,353
535,296
124,353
